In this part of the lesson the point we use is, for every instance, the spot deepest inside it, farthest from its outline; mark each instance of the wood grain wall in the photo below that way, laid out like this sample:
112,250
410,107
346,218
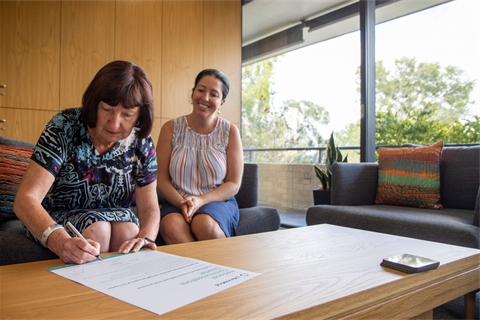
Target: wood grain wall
51,50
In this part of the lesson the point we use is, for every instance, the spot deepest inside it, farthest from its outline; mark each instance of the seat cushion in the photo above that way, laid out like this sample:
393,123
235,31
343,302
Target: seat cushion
247,196
452,226
460,176
15,247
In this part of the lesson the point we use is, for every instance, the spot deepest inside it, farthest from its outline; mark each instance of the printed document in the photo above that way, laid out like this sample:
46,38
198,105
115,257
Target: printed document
152,280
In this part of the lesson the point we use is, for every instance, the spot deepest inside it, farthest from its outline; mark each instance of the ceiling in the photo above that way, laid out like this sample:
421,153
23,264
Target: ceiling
261,18
265,18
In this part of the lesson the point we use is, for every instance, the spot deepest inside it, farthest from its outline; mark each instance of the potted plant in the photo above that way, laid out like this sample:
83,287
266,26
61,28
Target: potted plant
322,194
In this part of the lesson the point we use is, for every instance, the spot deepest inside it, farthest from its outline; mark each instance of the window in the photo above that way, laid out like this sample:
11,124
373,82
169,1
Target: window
427,83
299,98
428,74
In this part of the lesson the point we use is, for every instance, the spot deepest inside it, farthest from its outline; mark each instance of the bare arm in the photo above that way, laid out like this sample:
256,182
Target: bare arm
27,206
149,215
164,151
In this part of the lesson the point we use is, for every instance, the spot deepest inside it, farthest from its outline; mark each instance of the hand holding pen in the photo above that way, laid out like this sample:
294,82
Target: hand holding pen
78,234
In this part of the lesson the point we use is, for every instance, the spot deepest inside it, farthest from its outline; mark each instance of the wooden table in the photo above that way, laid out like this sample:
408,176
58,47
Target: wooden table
321,272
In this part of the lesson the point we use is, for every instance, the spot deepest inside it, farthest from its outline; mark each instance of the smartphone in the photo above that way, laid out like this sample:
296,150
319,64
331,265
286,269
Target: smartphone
410,263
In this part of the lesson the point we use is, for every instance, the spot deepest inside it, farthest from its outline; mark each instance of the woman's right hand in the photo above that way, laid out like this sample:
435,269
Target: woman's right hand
75,250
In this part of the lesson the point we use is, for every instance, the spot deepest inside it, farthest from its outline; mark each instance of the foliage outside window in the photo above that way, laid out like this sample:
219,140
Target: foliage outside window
293,124
420,103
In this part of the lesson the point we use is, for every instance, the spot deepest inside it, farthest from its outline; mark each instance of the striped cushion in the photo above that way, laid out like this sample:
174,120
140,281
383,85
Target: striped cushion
13,163
410,176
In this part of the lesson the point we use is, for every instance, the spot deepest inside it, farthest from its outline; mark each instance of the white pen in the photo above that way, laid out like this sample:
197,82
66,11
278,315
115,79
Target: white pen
78,234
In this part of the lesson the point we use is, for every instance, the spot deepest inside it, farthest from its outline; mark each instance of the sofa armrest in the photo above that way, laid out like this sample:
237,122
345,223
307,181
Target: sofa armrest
15,247
258,219
476,214
354,184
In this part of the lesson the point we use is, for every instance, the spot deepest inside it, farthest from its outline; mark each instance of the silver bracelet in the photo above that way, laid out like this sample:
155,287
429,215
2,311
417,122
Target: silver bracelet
48,231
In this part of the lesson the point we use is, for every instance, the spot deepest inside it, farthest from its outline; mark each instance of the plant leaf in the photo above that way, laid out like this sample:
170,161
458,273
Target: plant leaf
322,176
333,155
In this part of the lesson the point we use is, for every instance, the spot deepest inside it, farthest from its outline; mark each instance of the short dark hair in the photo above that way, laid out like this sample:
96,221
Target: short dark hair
217,74
125,83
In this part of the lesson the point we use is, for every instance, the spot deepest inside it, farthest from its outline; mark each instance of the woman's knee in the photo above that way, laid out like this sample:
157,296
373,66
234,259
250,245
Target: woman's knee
100,232
171,223
121,232
98,229
204,227
124,229
174,229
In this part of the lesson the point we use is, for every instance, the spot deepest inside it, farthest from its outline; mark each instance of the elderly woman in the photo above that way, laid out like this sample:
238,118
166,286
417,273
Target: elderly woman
200,167
87,165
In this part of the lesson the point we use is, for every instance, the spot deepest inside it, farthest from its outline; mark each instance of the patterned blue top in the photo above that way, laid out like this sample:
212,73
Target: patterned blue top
89,186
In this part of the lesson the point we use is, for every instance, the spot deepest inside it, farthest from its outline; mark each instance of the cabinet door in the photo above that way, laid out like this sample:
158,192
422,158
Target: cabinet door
138,39
223,50
22,124
182,54
30,54
87,45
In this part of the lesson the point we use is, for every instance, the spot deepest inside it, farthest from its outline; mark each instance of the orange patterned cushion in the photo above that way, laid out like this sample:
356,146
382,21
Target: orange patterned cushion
410,176
13,163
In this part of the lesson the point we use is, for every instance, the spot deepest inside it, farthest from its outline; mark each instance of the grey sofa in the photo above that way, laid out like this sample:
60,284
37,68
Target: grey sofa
15,247
353,205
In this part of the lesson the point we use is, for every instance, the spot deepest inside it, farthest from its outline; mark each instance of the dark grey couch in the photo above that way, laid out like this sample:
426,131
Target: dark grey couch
15,247
353,205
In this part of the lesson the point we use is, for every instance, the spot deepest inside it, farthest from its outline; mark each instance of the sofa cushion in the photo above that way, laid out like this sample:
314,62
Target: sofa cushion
247,196
15,247
452,226
354,184
460,176
410,176
13,163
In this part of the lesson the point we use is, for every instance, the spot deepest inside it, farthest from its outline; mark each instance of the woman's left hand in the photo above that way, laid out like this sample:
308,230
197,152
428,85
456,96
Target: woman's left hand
134,245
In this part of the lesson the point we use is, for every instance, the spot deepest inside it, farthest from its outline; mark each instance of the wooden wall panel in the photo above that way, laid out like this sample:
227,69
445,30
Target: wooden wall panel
182,55
3,90
24,124
159,122
223,48
51,50
87,45
157,126
138,39
31,54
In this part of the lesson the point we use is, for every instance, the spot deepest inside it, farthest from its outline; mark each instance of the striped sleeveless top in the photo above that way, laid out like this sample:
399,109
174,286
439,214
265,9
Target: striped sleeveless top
198,163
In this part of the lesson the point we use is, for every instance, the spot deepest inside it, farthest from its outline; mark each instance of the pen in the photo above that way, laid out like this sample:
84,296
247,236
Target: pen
78,234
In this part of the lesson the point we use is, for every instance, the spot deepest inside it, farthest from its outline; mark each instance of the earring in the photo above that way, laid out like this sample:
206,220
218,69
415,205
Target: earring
137,124
218,111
